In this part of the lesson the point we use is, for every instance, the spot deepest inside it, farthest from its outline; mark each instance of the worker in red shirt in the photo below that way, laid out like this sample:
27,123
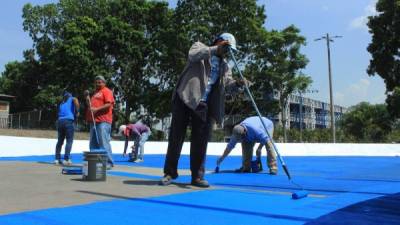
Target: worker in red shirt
99,114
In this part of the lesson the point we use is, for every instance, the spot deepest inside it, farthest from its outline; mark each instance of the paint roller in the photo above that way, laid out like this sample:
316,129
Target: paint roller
299,194
295,195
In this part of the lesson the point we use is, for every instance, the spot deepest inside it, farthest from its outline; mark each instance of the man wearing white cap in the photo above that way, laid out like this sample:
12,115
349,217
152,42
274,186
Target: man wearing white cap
198,99
139,133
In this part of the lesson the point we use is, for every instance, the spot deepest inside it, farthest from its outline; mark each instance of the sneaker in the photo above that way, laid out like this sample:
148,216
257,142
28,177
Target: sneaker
165,181
138,161
132,159
67,162
242,170
57,162
200,183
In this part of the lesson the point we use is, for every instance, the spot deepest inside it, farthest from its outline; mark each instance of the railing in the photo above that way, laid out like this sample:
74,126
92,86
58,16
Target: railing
38,119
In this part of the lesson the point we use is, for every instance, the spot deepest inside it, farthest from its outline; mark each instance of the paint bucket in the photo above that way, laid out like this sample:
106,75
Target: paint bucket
94,165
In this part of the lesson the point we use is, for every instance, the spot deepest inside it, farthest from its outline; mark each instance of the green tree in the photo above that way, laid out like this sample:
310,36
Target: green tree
68,53
23,80
141,46
367,123
276,66
125,41
135,38
203,20
384,48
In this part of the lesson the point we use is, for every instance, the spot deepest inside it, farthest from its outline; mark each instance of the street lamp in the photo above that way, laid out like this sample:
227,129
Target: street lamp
328,40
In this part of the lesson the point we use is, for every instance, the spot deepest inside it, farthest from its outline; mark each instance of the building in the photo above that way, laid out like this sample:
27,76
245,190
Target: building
301,112
310,114
5,110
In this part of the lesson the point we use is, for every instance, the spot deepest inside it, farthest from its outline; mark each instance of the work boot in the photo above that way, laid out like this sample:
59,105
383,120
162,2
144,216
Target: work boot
165,181
242,170
273,171
200,183
132,159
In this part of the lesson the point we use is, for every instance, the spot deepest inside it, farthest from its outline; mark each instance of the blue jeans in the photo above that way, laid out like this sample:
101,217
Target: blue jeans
104,136
139,144
65,130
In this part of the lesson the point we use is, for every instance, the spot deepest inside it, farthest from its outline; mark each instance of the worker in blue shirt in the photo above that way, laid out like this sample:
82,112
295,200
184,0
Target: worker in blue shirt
68,111
249,132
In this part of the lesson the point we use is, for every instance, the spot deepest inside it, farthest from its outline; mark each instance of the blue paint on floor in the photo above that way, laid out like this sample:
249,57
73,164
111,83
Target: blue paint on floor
381,210
329,166
333,183
203,207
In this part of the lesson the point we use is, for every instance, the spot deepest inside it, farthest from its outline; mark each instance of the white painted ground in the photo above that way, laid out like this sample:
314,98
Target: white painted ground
22,146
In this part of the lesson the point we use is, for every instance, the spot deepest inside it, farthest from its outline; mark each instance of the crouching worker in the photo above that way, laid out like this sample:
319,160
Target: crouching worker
250,131
139,133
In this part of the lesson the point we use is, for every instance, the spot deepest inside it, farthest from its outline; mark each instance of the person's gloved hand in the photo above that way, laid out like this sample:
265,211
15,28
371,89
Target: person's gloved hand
243,82
223,47
202,110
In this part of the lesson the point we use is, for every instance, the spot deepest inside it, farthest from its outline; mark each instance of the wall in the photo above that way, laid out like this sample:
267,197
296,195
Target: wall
21,146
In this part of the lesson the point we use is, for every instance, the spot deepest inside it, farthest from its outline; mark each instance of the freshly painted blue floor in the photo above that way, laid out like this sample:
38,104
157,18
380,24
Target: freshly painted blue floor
336,185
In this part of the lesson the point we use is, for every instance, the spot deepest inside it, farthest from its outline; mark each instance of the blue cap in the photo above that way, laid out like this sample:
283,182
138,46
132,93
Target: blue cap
67,94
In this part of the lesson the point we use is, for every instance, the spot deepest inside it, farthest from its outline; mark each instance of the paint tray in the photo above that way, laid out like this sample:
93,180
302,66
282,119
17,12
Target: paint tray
72,170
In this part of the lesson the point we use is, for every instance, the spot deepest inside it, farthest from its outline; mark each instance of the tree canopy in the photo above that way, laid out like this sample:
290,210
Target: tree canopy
141,48
367,123
385,50
277,65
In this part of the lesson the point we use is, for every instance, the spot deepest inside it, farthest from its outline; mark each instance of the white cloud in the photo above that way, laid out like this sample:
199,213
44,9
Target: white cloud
361,21
360,88
362,91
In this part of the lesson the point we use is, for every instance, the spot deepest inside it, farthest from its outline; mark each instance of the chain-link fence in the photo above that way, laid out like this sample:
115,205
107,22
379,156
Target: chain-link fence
4,122
38,119
28,120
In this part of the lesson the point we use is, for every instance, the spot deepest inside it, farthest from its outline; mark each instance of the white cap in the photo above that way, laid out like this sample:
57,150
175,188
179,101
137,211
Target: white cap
228,37
121,129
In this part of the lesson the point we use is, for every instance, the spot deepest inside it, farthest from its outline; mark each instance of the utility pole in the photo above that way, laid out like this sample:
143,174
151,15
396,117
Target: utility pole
333,125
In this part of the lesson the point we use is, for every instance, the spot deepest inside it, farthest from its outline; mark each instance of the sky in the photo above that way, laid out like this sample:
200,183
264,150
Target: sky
314,18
